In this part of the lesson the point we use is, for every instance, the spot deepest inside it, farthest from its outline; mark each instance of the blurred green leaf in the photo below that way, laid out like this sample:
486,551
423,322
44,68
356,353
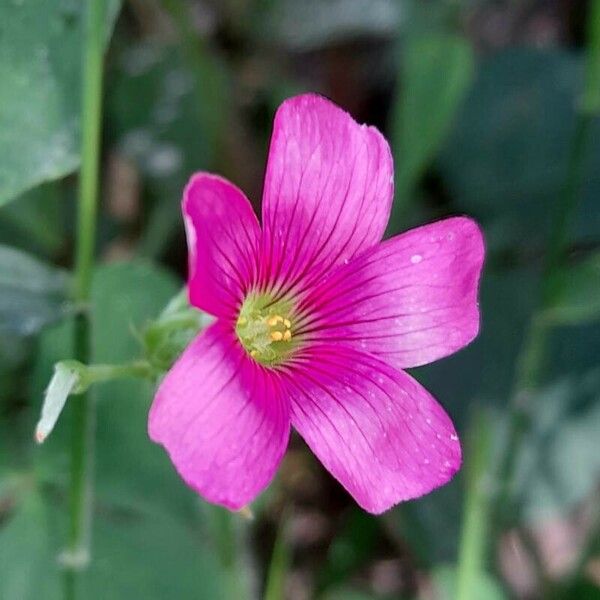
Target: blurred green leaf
347,593
40,64
586,589
26,562
149,539
312,23
131,471
444,579
559,464
579,298
166,113
436,73
125,296
506,160
430,526
32,294
151,557
351,548
34,222
134,555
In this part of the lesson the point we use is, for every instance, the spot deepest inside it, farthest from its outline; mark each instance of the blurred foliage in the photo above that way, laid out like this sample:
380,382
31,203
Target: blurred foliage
32,294
40,54
579,299
479,101
435,76
141,528
506,159
156,135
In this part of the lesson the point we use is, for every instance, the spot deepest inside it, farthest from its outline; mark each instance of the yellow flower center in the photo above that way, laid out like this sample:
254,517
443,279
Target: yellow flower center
265,329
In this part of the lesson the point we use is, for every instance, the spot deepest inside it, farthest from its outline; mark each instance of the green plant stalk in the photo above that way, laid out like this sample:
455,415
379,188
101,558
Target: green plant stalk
89,375
83,414
476,509
229,538
531,361
280,563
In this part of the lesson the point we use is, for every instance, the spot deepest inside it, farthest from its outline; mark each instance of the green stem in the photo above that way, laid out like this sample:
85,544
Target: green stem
90,145
92,374
531,360
229,538
280,562
83,409
476,510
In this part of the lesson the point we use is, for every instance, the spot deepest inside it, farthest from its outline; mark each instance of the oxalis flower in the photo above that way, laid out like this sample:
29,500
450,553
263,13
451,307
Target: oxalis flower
316,320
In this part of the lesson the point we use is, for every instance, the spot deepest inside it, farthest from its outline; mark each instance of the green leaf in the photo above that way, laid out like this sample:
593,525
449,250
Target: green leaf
559,463
32,294
167,109
149,538
35,221
27,567
436,74
313,24
351,549
506,159
444,579
579,298
40,64
125,296
134,555
585,589
131,471
155,557
346,593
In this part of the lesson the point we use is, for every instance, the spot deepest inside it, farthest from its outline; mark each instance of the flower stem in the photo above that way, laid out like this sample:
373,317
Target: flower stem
531,360
476,509
280,562
82,443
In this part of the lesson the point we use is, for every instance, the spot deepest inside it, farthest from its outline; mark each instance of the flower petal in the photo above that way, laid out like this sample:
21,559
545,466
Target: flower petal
410,301
223,239
328,191
379,433
221,418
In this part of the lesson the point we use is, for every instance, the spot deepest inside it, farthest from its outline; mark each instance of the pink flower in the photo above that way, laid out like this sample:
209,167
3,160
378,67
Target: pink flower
316,320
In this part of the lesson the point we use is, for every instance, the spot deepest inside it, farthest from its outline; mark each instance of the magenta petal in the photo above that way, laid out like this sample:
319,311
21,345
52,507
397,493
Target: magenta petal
328,191
410,301
223,238
222,420
374,428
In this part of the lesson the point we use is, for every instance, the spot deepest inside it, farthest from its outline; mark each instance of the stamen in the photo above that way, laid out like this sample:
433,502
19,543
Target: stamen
266,334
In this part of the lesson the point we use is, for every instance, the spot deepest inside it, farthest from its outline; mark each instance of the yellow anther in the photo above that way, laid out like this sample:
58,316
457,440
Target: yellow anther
272,321
276,336
287,323
287,336
253,353
242,321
